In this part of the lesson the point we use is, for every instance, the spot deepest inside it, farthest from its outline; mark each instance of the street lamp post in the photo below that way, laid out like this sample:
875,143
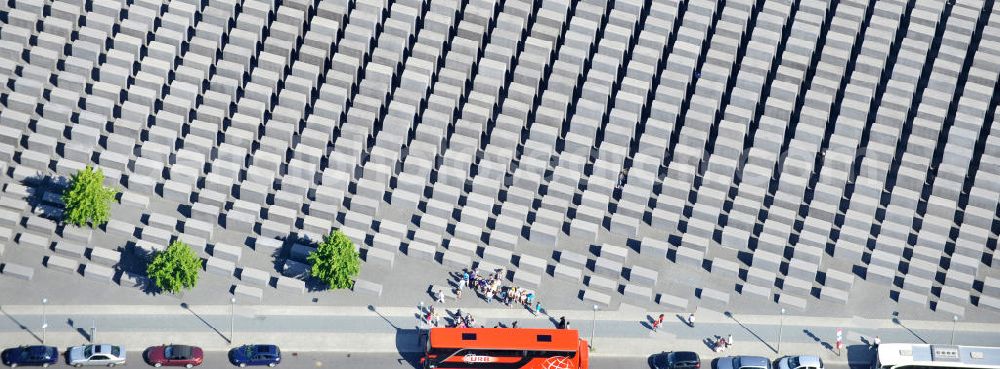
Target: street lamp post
954,322
45,321
93,331
593,327
781,327
232,320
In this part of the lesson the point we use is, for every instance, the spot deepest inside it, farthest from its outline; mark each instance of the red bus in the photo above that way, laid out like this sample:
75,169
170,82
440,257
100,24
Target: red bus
505,348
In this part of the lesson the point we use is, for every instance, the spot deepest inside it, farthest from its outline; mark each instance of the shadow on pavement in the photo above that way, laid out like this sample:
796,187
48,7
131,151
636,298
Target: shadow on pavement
188,308
733,317
22,326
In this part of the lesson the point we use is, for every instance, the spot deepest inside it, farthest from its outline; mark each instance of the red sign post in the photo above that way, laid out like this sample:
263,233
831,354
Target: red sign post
840,340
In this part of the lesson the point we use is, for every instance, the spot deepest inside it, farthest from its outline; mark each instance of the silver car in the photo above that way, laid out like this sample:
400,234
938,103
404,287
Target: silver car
800,362
109,355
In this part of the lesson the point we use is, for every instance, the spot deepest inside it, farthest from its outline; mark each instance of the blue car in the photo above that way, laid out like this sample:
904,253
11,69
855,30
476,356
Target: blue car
30,355
245,355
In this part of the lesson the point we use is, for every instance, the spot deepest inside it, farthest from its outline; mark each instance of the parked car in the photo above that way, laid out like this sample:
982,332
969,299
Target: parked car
245,355
744,362
109,355
30,355
677,360
800,362
175,355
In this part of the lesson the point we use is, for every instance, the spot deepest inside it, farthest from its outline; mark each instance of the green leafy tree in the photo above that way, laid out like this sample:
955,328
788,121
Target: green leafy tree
335,261
175,268
88,200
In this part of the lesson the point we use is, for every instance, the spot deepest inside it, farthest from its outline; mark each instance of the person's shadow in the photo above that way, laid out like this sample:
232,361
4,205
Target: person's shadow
709,343
554,321
648,322
683,320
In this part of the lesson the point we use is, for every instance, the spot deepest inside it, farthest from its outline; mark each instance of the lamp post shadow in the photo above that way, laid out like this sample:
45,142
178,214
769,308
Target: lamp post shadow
188,308
895,319
22,326
731,316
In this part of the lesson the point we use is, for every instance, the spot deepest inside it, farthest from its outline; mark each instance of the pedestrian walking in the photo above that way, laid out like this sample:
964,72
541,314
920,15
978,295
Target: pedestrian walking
729,340
656,325
429,316
538,307
465,277
440,296
876,342
513,324
691,320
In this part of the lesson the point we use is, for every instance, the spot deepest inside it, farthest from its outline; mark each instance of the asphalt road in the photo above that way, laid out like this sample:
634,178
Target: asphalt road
313,360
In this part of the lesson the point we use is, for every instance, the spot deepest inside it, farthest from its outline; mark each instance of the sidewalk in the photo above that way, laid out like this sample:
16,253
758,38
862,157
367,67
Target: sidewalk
622,333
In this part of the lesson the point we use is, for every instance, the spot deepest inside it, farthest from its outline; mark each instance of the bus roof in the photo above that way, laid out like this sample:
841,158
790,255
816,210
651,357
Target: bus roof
505,338
893,354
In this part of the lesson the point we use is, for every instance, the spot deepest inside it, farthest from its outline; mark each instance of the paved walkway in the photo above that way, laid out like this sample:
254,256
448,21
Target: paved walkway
622,333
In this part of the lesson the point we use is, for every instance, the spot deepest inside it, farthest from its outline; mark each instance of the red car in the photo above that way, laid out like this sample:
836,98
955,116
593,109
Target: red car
175,355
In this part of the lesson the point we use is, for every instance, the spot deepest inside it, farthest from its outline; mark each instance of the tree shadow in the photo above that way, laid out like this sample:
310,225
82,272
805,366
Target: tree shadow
44,195
19,325
315,285
140,281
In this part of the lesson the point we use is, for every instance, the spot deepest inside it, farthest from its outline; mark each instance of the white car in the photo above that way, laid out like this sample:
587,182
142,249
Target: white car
108,355
800,362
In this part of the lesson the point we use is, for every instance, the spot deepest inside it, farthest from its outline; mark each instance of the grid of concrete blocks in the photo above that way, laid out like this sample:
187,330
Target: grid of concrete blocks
784,149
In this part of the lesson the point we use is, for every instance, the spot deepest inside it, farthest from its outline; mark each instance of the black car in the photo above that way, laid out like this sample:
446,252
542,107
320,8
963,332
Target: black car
677,360
30,355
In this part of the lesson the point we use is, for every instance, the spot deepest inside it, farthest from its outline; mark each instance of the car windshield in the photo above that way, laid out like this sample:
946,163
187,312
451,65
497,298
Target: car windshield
88,350
793,362
116,351
248,350
168,352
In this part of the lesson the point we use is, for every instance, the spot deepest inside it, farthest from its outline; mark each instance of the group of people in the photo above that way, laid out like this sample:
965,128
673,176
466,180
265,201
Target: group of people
462,320
490,287
659,321
722,344
458,320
